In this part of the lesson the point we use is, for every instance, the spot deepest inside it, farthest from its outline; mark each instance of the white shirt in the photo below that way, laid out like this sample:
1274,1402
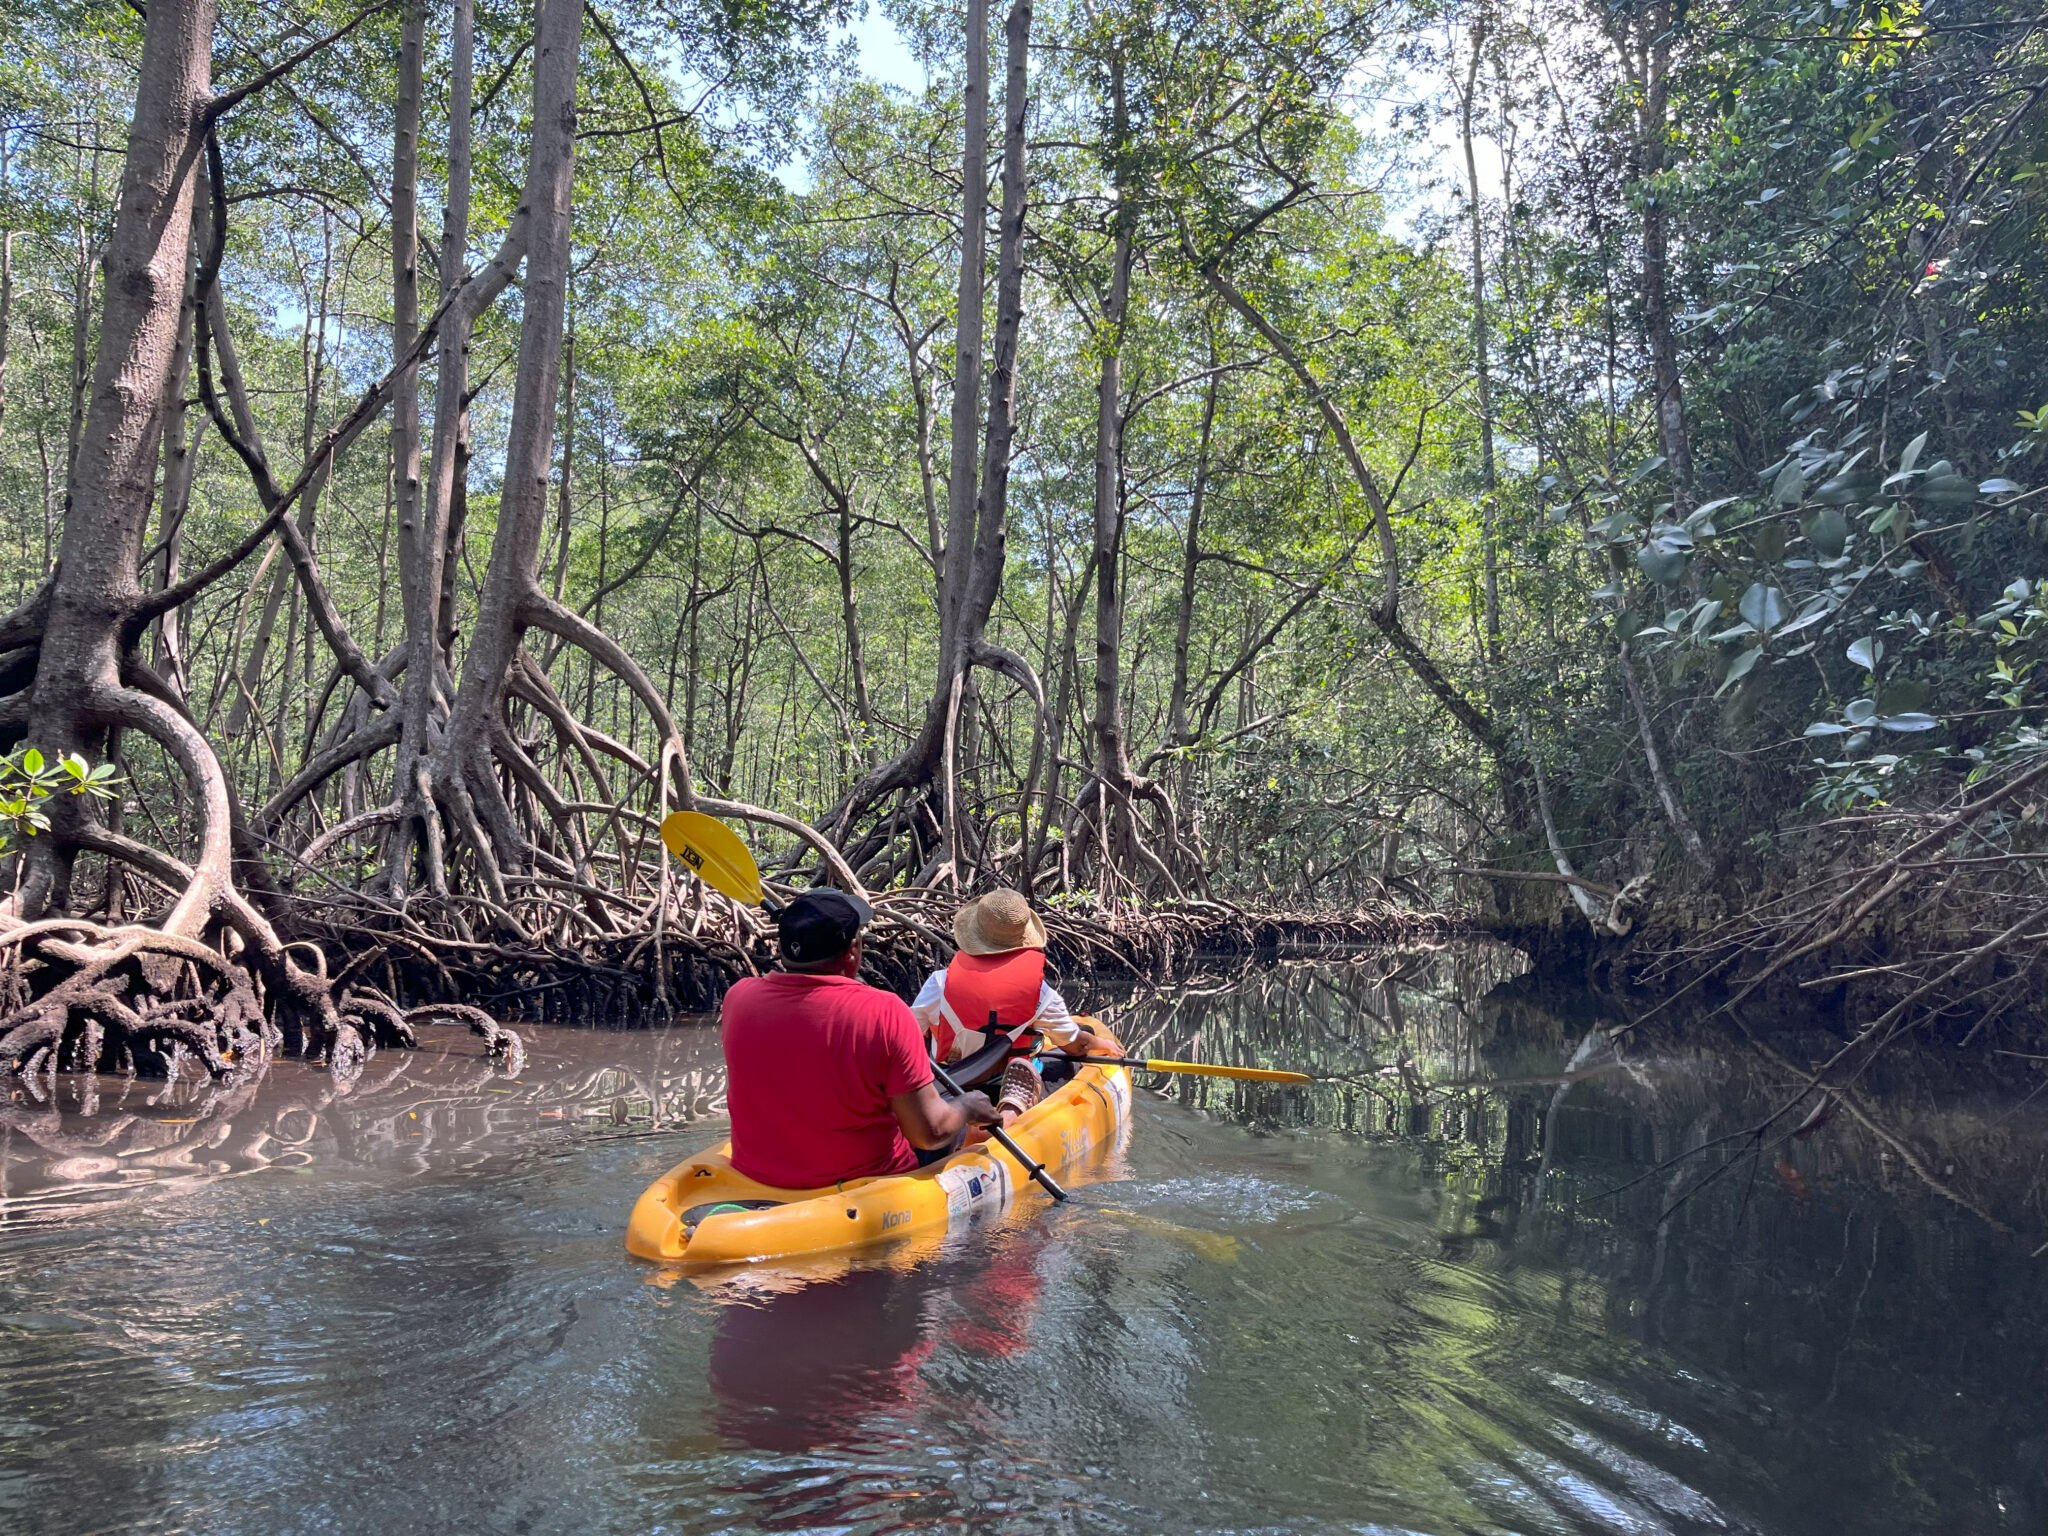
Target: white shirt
1051,1020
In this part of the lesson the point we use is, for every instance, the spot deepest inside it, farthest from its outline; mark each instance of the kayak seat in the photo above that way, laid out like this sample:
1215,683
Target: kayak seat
697,1213
982,1065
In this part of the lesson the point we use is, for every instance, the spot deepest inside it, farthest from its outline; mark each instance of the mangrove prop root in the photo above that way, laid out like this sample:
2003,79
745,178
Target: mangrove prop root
87,998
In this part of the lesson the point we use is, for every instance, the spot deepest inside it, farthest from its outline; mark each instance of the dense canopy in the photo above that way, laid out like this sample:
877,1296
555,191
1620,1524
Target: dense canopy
1275,454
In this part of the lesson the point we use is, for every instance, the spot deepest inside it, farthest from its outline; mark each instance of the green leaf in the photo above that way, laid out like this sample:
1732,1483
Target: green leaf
1912,454
32,761
1739,668
1817,610
1845,489
1943,487
1867,653
1909,722
1762,606
1661,563
1828,532
1997,487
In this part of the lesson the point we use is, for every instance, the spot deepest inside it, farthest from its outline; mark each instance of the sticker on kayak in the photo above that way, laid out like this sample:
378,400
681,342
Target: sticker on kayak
974,1189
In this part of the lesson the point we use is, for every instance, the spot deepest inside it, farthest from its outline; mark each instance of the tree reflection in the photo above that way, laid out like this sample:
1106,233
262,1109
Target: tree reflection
449,1105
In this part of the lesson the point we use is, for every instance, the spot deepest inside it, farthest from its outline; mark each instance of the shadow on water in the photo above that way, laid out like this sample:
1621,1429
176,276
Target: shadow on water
1496,1272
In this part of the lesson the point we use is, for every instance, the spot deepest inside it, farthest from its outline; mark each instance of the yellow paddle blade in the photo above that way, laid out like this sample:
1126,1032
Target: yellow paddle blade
714,851
1247,1074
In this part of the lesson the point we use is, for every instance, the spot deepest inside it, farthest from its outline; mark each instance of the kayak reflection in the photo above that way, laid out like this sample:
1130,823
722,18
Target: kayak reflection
836,1361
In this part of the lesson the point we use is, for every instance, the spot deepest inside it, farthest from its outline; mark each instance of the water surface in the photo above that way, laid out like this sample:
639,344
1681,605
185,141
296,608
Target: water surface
1381,1305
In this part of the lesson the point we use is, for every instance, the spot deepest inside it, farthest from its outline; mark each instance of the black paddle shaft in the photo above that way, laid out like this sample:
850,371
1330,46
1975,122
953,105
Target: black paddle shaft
1003,1139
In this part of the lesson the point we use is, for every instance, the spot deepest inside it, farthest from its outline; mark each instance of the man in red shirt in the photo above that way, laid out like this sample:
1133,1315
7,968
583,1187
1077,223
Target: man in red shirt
827,1079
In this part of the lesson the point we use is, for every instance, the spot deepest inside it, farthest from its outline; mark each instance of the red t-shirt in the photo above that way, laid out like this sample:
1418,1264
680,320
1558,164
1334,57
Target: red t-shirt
812,1063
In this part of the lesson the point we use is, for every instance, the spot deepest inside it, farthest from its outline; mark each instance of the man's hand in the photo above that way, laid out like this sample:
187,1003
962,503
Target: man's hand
931,1123
976,1107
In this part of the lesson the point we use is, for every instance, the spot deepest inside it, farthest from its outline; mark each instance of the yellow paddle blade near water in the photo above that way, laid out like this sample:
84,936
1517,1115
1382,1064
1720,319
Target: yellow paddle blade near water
714,851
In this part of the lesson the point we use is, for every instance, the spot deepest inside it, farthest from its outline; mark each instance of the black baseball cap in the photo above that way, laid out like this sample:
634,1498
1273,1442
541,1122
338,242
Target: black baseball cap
821,925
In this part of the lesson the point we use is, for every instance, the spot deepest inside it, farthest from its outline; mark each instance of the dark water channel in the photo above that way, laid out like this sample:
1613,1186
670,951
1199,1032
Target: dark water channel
1381,1305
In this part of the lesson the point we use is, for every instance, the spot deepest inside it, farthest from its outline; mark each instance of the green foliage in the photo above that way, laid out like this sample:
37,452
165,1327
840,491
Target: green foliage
27,781
1841,605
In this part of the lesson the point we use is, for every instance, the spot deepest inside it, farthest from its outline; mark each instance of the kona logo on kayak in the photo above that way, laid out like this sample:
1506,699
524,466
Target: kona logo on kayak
894,1219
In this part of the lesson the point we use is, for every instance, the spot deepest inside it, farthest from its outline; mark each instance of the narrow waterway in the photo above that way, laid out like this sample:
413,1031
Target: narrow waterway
1445,1292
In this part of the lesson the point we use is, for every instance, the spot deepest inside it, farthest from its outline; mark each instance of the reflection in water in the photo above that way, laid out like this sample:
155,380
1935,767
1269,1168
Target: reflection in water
444,1106
1471,1282
808,1366
822,1362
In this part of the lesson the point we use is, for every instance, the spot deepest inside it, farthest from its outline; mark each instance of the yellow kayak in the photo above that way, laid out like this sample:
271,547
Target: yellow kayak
704,1211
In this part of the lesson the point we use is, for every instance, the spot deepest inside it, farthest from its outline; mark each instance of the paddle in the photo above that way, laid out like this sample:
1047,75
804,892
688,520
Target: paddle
1198,1068
717,856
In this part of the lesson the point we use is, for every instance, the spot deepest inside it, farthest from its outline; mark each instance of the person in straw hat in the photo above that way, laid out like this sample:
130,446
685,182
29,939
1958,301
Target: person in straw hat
996,986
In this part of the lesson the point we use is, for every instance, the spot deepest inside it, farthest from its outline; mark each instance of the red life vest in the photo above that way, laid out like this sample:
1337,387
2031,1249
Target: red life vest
1003,988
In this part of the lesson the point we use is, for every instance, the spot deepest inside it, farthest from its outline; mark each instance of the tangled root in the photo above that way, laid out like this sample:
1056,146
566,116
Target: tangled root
82,997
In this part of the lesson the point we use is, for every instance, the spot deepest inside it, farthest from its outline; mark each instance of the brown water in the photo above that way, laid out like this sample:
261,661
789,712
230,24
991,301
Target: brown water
1370,1307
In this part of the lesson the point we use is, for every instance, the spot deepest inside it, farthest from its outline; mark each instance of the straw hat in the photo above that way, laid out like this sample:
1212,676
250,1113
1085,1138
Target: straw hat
996,923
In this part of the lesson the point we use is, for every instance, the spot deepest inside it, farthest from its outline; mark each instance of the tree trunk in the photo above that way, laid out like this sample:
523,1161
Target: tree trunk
81,340
447,509
958,556
1667,792
1652,130
849,616
113,477
180,466
6,285
1112,755
418,584
977,522
462,773
1489,482
1191,565
564,515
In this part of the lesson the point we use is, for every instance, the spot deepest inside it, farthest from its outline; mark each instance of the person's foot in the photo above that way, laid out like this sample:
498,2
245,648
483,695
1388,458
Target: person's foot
1021,1089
